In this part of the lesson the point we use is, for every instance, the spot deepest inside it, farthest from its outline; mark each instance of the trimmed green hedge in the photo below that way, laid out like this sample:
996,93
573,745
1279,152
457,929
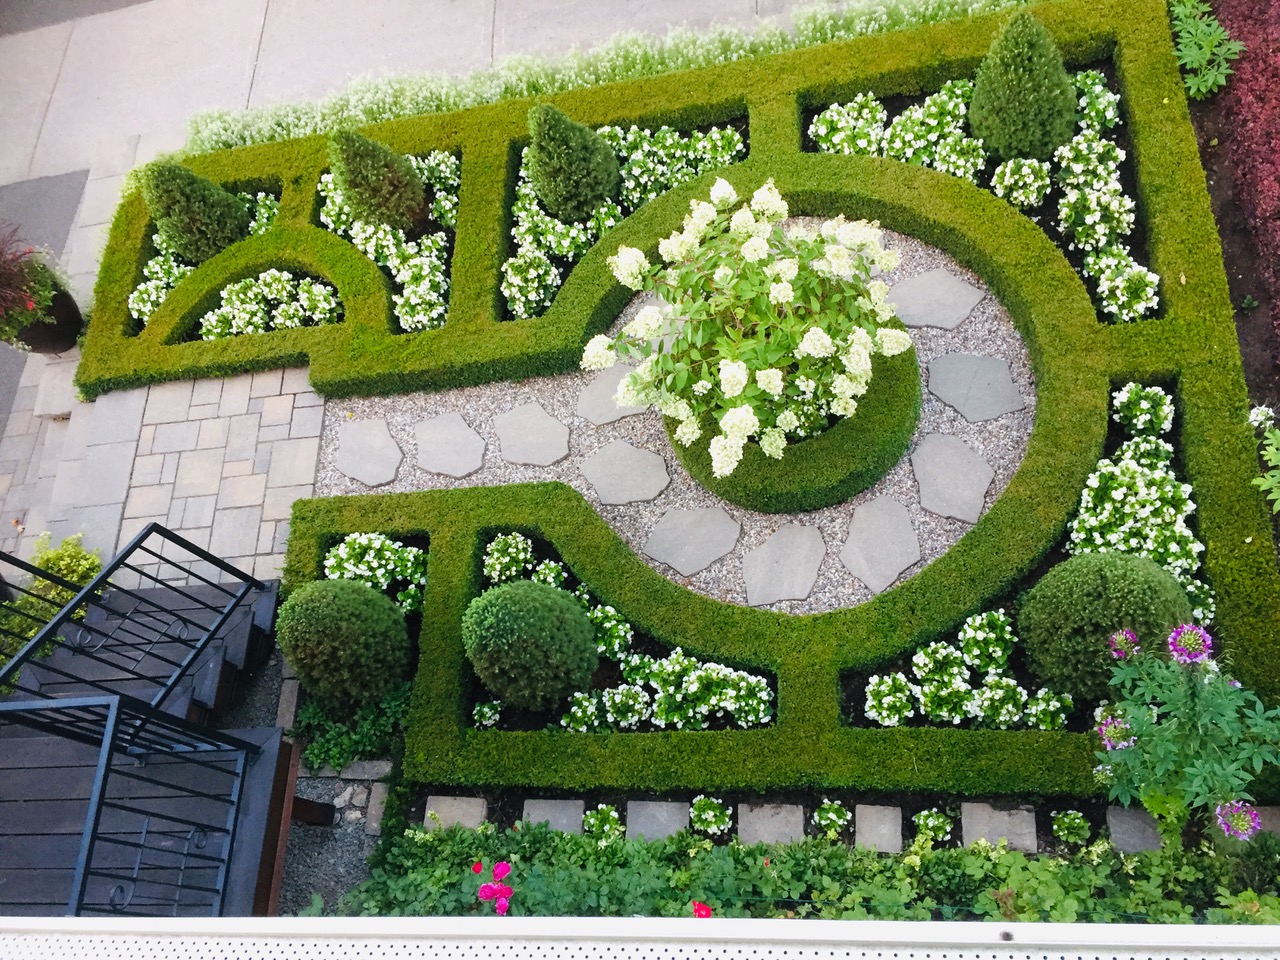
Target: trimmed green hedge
1076,361
831,467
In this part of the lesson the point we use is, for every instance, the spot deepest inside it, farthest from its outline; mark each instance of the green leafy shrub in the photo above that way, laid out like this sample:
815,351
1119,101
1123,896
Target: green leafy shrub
368,735
1023,102
378,184
347,642
22,617
530,643
1067,618
195,217
571,168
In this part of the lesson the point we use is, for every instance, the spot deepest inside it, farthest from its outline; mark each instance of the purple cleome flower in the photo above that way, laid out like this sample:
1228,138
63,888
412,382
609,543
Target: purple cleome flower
1190,644
1112,731
1238,819
1124,644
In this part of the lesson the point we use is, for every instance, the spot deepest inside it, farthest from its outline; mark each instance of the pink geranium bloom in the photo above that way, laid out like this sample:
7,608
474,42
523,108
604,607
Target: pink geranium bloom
701,910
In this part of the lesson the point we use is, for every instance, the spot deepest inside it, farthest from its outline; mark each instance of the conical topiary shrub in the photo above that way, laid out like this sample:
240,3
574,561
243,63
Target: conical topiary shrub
197,218
378,184
1023,102
571,168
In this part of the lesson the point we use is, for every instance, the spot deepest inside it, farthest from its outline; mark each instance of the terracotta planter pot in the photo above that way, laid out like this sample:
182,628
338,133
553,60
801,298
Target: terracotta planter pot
60,335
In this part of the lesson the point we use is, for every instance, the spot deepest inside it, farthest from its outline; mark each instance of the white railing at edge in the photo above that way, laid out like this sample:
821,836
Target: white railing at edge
506,938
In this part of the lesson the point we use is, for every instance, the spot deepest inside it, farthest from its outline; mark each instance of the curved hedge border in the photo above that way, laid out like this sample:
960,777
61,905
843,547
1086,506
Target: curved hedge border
831,467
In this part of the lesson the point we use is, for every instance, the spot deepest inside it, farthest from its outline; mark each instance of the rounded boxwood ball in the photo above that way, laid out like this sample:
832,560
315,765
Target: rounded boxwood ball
530,643
1066,619
346,641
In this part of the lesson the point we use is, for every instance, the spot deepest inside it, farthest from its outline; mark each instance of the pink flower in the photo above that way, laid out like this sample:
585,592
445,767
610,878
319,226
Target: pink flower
1238,819
501,869
1190,644
701,910
488,891
477,866
500,907
1124,644
501,891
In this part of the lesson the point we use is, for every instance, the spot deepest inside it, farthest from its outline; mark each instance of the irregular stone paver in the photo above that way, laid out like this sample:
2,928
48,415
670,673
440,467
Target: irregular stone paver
1133,830
692,540
620,473
878,828
446,444
882,543
1270,817
785,566
934,299
980,387
770,823
562,815
455,811
528,434
366,452
655,819
595,403
981,821
953,479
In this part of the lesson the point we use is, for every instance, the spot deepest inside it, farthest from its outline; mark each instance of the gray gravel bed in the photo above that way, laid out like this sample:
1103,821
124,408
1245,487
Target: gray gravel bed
1002,442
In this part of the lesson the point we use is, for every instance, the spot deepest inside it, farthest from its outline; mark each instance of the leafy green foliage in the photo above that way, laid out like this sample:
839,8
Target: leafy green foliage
336,739
379,185
1023,102
531,644
22,617
571,168
1269,482
195,217
1065,620
1204,48
347,642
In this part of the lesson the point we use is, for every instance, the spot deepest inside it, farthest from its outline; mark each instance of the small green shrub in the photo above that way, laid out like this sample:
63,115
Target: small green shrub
194,216
22,617
379,185
1023,102
1066,619
571,168
531,644
347,642
370,734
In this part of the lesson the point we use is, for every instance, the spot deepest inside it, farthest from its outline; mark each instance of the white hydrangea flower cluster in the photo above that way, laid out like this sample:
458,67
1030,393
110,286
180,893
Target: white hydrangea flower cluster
944,689
709,815
650,163
378,561
419,267
1024,183
1134,503
273,300
853,128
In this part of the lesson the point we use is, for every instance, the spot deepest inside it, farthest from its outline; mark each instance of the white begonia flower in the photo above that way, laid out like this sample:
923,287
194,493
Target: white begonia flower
755,249
857,362
598,354
781,293
891,341
844,406
723,275
722,193
688,431
726,453
772,442
629,265
740,422
702,388
742,223
785,270
787,420
816,343
648,323
770,381
768,202
1261,417
733,377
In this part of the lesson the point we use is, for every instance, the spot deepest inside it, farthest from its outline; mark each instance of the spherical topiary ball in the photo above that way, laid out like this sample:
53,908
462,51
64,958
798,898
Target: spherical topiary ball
531,644
346,641
1066,619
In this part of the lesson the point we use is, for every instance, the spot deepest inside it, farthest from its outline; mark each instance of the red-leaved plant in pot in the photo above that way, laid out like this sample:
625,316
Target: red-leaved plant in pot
36,311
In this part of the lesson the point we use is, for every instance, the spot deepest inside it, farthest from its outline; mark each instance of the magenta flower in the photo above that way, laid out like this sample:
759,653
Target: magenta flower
1238,819
488,891
1112,731
501,869
1124,644
500,906
1190,644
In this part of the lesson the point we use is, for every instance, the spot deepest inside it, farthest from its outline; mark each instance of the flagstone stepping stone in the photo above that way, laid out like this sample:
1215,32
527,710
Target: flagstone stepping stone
1133,830
953,479
1270,818
934,299
621,473
980,387
562,815
882,543
770,823
595,403
446,444
785,566
981,821
528,434
367,452
878,828
692,540
455,811
655,819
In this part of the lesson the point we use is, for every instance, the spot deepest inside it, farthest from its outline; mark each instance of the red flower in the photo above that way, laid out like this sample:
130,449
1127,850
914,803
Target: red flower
31,304
701,910
477,866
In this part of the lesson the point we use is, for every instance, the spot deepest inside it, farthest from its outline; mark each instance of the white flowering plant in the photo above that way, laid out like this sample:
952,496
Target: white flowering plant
604,824
932,826
1070,826
487,714
273,300
710,816
932,133
831,818
1097,107
1142,411
852,128
1024,183
1264,419
382,563
768,331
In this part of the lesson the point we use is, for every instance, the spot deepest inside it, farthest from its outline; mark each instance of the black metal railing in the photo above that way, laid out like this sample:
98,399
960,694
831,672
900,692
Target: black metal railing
136,630
160,809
